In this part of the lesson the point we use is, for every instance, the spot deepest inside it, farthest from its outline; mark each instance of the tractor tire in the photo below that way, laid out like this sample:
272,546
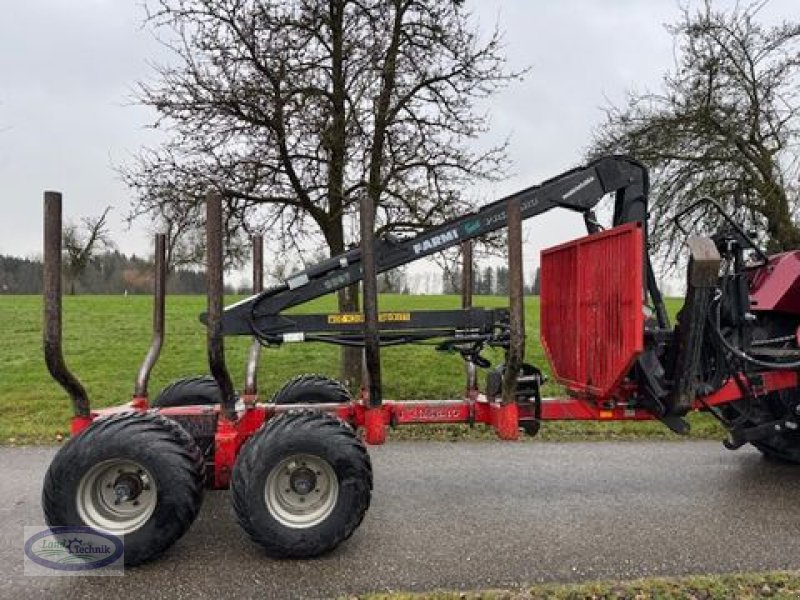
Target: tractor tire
780,449
145,456
530,428
201,390
784,446
312,389
301,485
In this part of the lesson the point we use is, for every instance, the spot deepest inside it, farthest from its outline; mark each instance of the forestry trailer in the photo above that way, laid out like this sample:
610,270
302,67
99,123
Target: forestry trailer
297,466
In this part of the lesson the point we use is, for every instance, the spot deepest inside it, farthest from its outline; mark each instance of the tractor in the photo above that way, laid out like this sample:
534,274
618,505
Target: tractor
297,466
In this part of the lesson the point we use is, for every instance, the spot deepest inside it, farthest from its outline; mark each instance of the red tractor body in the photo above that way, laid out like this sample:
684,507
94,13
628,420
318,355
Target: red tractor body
776,285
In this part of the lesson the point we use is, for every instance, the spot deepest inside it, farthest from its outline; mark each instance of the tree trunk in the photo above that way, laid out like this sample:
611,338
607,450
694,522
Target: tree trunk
336,142
348,301
368,205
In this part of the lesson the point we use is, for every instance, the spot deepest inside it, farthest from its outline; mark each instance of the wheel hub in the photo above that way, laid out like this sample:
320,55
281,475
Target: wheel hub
117,496
301,491
127,487
303,481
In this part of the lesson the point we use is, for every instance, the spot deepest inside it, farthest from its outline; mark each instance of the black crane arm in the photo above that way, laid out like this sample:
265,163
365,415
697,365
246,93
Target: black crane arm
579,190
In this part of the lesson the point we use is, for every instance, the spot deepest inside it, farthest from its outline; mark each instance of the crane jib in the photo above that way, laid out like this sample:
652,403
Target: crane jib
578,190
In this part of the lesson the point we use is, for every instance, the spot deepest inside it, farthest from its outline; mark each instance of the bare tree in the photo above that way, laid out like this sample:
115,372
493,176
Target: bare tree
295,110
81,243
186,241
725,125
393,281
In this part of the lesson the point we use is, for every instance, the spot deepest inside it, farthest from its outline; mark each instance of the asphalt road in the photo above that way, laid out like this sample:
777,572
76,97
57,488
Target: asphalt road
470,515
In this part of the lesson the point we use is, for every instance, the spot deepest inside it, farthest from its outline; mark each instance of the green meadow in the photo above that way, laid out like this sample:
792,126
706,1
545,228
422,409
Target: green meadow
106,337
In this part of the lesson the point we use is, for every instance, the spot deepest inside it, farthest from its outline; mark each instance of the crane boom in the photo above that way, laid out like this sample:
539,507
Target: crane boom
578,189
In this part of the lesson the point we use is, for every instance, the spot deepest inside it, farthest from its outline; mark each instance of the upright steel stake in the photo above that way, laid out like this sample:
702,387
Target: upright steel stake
466,274
53,354
251,373
466,302
214,273
372,351
159,295
375,428
516,348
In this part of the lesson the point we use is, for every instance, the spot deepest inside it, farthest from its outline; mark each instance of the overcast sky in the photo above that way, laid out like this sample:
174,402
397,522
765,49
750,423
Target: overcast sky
67,68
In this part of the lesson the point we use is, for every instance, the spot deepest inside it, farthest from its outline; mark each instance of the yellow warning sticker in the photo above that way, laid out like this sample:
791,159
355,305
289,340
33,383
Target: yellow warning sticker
345,318
394,317
352,318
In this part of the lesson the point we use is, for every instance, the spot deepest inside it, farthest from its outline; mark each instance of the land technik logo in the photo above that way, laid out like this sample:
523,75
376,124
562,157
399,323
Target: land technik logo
72,551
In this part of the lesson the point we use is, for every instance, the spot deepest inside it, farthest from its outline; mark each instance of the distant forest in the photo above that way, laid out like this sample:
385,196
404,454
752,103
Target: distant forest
109,273
488,281
116,273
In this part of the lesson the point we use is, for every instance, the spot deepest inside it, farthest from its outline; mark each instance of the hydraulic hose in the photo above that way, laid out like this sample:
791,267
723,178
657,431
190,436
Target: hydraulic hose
739,353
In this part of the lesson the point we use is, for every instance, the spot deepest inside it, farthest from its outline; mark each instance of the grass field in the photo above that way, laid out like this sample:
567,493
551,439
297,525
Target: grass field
779,585
105,338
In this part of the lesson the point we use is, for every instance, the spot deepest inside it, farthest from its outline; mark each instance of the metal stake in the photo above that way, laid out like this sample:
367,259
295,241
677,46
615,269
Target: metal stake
372,350
214,273
466,303
466,274
516,348
159,295
53,354
251,372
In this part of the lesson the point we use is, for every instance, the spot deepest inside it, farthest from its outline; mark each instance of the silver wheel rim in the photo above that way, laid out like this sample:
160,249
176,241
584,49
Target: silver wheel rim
117,496
301,491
